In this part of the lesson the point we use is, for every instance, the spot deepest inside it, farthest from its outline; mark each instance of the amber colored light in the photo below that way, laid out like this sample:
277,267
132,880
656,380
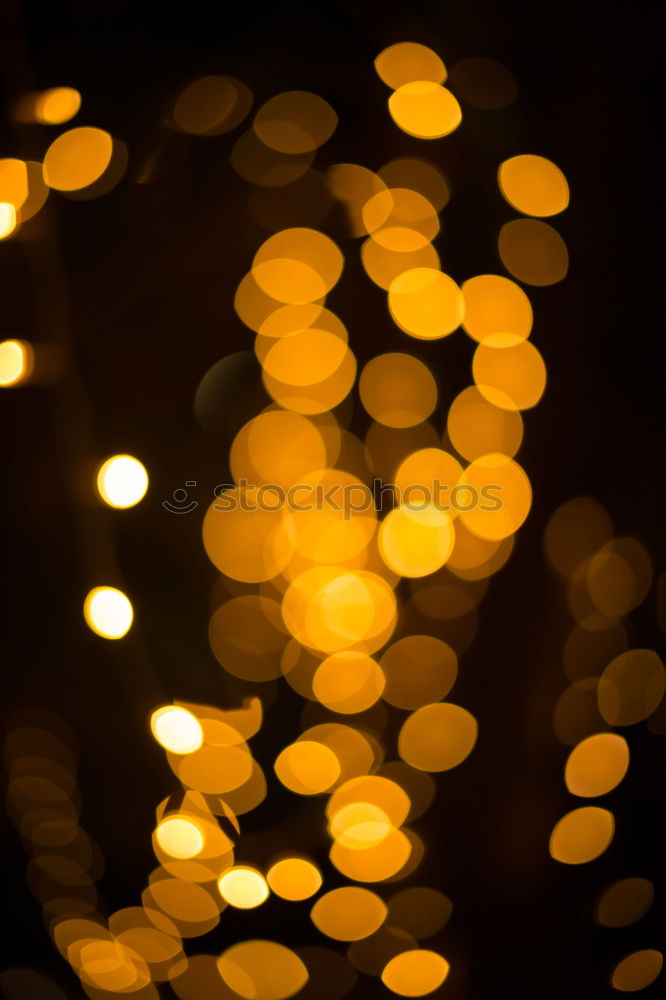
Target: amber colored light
582,835
405,62
419,670
533,252
624,902
78,158
497,310
437,737
294,878
637,971
262,970
425,110
348,681
295,122
57,105
398,390
212,105
348,914
510,377
415,973
476,427
631,687
307,767
426,303
597,765
415,542
533,185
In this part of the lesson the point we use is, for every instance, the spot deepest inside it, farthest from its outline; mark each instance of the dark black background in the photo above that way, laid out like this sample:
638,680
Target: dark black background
141,284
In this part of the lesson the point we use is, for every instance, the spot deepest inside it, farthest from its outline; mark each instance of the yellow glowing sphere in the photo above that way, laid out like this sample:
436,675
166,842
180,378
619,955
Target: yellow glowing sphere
243,887
426,303
7,219
437,737
122,481
533,185
15,362
425,109
257,970
180,837
415,973
294,878
108,612
349,914
176,729
415,542
57,105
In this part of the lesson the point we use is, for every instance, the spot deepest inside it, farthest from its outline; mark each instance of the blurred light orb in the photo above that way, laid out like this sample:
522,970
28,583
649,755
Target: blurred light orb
294,879
624,902
511,377
597,765
533,185
211,105
426,303
176,729
398,390
415,973
533,252
260,970
416,542
582,835
77,158
294,122
437,737
122,481
425,110
57,105
637,971
243,887
497,310
180,837
16,362
7,219
406,62
108,612
348,914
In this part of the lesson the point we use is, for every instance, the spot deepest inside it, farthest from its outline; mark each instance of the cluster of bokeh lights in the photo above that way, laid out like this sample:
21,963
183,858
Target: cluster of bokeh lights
313,594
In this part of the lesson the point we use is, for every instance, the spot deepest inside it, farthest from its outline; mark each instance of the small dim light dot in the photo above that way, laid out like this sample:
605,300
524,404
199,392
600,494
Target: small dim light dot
7,219
122,481
108,612
176,729
180,837
243,887
15,362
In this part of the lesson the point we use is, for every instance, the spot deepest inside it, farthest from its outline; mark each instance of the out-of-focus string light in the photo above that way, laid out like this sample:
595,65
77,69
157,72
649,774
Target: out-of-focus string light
7,219
405,62
108,612
242,887
180,837
57,105
122,481
16,362
425,110
77,158
415,973
176,729
534,185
